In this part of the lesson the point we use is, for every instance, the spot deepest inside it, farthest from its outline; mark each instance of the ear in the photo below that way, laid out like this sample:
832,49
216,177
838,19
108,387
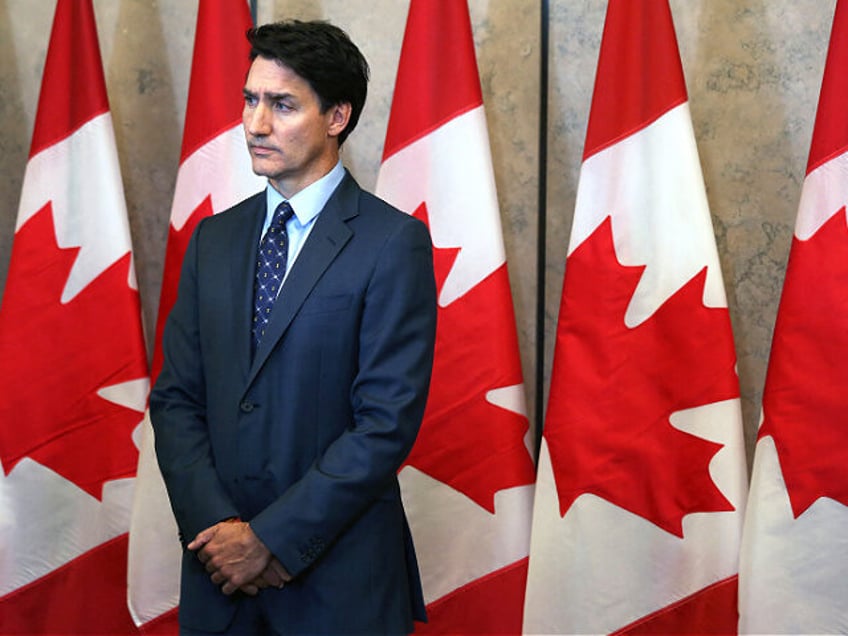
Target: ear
339,117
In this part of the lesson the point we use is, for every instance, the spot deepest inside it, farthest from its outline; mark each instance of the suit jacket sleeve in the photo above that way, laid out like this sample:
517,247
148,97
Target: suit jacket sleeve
396,348
178,415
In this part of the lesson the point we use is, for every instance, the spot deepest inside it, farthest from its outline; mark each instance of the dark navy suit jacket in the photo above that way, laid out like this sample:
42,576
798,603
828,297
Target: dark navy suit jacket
305,439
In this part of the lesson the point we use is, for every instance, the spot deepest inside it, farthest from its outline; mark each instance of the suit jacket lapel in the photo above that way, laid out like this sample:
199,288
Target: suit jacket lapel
326,240
242,275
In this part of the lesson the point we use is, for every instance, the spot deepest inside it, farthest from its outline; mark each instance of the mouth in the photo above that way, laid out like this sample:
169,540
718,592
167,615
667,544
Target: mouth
258,149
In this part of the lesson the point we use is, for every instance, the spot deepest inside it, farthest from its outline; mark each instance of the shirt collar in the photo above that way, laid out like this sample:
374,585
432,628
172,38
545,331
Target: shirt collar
311,200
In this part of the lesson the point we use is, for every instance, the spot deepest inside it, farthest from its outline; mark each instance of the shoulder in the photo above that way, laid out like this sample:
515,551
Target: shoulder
373,209
372,204
244,207
389,227
240,216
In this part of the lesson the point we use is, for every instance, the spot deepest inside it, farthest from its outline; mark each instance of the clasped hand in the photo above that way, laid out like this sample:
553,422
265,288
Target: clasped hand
236,558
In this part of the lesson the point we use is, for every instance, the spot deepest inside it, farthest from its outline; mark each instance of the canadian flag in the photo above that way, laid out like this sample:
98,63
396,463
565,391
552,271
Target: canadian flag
73,365
467,485
794,568
215,173
642,480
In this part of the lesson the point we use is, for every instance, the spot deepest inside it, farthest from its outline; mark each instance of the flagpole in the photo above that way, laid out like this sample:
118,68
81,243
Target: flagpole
252,4
541,235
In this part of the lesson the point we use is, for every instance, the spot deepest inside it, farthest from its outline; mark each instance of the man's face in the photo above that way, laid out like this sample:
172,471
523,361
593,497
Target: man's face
290,140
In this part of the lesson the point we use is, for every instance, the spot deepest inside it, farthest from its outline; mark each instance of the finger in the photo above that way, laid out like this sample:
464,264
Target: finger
280,570
261,582
200,541
249,589
203,537
271,578
228,588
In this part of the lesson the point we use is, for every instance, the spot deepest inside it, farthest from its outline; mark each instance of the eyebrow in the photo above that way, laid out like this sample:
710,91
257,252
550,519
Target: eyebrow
271,96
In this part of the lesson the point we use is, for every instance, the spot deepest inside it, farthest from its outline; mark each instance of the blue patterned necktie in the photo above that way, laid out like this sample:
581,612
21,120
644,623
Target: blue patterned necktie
270,270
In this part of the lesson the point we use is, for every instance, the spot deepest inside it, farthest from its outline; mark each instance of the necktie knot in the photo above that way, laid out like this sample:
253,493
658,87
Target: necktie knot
281,216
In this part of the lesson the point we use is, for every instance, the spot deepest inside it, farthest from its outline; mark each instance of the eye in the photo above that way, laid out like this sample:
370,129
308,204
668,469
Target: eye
282,106
250,100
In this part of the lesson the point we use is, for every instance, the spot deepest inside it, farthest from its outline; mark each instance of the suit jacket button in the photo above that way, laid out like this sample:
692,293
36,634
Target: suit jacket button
246,406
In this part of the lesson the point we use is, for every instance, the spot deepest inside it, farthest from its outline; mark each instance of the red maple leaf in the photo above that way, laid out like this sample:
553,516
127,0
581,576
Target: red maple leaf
805,402
54,357
614,389
465,441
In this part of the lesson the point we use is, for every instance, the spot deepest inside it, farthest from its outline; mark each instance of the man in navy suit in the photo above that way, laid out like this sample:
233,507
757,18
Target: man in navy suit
280,432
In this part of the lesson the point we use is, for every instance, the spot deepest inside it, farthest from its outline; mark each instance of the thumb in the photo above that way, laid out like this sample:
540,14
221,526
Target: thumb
202,538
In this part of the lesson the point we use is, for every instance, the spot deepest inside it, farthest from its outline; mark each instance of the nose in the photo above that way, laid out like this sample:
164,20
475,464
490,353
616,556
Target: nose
258,120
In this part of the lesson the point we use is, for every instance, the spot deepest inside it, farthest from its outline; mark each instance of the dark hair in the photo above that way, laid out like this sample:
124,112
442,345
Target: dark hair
323,55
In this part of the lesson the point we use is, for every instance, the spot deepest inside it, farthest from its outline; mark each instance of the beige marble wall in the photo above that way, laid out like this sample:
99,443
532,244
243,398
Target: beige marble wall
753,69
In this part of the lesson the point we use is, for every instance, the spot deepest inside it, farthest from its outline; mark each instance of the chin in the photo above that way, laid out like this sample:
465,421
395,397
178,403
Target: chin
262,169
